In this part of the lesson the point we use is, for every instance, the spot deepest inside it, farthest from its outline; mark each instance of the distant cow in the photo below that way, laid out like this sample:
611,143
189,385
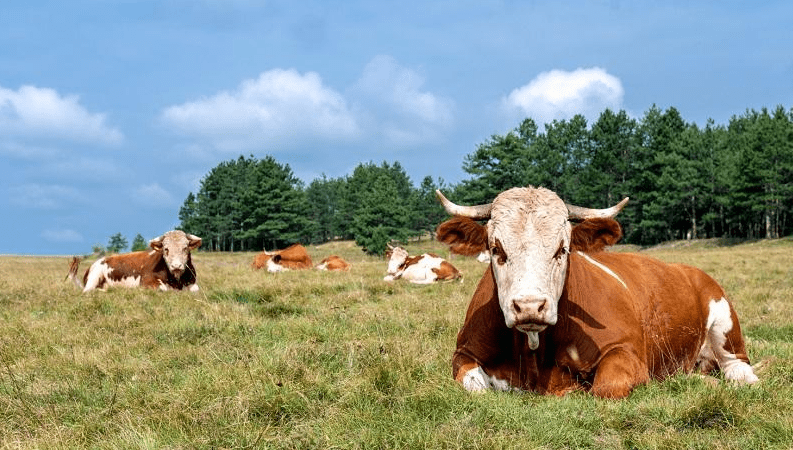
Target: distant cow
166,266
554,313
333,263
291,258
423,269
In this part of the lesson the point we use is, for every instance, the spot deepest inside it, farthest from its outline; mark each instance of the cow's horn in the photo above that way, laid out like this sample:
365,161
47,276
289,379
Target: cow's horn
579,213
478,212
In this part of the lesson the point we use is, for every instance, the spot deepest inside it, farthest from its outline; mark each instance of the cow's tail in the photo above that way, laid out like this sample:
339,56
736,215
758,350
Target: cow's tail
74,266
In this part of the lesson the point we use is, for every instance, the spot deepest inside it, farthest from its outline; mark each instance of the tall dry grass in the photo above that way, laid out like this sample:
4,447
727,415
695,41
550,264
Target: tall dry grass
321,360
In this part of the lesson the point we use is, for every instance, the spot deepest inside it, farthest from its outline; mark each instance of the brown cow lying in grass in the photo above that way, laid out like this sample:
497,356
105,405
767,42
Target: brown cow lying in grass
294,257
555,313
333,263
168,265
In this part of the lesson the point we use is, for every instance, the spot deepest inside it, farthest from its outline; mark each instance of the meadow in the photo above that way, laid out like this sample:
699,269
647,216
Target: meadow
312,359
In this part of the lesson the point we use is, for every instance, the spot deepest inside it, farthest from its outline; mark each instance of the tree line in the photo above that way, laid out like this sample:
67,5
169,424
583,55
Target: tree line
118,243
253,204
684,181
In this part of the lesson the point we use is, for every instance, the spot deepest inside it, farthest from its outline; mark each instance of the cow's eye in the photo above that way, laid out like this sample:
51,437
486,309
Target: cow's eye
561,251
165,251
498,253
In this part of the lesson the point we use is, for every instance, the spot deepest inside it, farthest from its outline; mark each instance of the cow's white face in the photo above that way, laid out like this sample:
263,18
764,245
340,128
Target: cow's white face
529,241
175,247
397,257
273,265
528,234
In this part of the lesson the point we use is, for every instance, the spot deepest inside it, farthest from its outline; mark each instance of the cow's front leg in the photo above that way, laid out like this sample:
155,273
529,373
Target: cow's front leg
474,378
618,373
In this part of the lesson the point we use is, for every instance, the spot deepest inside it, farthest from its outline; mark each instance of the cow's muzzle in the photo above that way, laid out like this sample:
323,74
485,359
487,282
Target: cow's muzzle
177,271
534,314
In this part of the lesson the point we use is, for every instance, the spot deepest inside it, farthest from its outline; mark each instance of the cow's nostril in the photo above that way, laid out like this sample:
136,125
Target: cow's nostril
516,306
541,308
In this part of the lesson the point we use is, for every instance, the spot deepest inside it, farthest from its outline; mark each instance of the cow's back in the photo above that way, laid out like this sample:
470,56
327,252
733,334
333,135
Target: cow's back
334,263
295,257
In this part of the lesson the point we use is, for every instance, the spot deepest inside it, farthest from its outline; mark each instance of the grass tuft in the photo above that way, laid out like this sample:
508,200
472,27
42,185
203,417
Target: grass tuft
769,333
714,411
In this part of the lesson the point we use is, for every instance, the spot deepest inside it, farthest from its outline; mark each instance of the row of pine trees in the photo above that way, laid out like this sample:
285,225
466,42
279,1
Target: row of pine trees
685,181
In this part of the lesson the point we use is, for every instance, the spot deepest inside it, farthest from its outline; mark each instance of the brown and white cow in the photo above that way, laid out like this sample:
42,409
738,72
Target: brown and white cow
554,313
333,263
168,265
293,257
422,269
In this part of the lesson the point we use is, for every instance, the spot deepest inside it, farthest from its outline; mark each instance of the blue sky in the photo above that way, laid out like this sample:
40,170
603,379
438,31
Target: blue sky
112,111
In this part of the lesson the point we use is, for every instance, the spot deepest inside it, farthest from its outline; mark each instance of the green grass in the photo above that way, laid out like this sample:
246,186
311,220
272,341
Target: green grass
344,360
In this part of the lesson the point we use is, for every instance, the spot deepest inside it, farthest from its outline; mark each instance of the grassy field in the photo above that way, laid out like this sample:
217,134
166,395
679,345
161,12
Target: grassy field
344,360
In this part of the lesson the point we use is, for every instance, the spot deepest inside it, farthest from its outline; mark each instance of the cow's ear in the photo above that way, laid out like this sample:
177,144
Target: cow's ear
276,258
464,236
593,235
193,242
156,243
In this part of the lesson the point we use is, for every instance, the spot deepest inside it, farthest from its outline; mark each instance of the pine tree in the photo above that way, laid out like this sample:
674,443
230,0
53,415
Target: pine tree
428,212
117,243
658,132
273,206
248,204
381,217
324,198
378,199
501,163
139,244
562,161
614,142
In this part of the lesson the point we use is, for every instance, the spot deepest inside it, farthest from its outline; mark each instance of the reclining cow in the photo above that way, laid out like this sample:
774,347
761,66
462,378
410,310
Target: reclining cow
294,257
423,269
555,313
168,265
334,263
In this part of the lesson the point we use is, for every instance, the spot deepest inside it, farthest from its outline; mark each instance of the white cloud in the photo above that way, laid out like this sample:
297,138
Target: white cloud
558,94
400,88
58,236
392,97
281,107
153,194
43,196
42,112
286,109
